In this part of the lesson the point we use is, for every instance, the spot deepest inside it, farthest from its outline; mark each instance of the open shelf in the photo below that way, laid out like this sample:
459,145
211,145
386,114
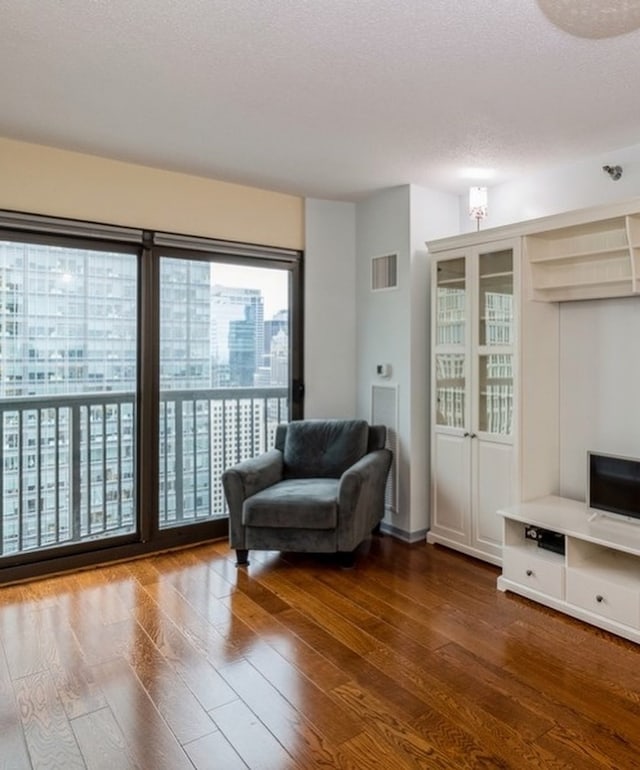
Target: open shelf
587,261
610,565
582,256
585,282
583,291
594,236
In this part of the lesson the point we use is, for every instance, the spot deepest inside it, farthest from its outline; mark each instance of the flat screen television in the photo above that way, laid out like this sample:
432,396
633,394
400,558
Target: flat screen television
613,484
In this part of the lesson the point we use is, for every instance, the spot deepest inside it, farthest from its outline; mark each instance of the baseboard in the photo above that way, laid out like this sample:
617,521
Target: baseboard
401,534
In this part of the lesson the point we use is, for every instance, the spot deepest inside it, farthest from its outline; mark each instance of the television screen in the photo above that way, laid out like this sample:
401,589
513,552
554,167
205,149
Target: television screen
614,484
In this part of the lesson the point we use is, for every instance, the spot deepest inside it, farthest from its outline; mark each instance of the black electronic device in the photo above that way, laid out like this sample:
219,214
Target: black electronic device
613,485
545,538
551,541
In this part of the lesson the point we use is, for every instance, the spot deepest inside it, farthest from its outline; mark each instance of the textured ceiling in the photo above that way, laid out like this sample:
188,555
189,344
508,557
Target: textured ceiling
324,98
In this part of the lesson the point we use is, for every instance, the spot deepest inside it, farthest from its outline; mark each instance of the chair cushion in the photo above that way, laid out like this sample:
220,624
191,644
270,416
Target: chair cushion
294,503
323,448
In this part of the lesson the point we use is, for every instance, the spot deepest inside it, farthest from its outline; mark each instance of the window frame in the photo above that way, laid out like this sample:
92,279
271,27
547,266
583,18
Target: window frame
149,246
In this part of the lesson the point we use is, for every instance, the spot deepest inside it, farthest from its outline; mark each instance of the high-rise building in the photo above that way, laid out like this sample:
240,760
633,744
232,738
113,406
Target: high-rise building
68,384
272,326
185,310
279,358
68,320
243,355
68,328
237,335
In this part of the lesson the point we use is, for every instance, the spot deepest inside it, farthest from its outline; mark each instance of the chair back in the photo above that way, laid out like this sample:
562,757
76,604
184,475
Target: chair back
321,448
377,437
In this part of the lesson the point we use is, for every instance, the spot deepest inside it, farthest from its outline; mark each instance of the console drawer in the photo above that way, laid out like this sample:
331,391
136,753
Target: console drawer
527,567
603,597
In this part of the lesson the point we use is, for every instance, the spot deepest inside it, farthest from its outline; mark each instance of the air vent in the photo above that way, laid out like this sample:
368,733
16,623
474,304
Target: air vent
384,411
384,272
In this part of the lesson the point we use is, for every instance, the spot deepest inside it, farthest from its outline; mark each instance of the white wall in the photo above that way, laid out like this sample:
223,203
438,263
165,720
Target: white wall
382,226
599,385
393,328
432,215
383,333
330,309
558,189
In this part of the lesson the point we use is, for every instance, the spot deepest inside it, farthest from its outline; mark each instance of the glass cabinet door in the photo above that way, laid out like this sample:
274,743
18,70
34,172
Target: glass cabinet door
495,340
496,394
450,340
451,302
451,383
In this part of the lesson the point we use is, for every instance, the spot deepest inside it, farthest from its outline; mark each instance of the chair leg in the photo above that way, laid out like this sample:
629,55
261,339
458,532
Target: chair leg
242,556
347,559
377,530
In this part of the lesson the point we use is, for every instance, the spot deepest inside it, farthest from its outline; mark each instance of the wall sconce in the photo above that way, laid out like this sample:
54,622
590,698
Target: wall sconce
477,204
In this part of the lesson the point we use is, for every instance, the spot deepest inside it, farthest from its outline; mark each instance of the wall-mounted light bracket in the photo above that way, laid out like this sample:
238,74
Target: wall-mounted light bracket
478,204
615,172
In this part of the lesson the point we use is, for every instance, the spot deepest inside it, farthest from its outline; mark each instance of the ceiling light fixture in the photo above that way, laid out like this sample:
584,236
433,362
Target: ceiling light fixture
478,204
593,18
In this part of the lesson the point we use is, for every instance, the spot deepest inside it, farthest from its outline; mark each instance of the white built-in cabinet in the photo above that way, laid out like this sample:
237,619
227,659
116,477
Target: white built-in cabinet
473,382
596,578
495,411
481,334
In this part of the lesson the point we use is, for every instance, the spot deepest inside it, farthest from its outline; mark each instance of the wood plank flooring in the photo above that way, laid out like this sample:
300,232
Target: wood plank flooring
412,659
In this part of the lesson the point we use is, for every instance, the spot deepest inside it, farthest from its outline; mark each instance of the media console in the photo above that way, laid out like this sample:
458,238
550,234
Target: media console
596,579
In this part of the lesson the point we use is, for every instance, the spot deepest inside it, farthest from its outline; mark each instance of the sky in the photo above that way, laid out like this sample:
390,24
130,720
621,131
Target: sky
273,283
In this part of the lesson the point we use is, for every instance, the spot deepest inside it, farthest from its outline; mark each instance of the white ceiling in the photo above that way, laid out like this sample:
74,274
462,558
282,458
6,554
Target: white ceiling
322,98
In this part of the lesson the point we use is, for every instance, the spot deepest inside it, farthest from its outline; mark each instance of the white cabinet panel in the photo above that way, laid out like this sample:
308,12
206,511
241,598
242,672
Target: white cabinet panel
529,567
603,597
494,484
474,376
451,486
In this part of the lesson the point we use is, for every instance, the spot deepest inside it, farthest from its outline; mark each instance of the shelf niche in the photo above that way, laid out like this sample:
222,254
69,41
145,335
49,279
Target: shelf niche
594,260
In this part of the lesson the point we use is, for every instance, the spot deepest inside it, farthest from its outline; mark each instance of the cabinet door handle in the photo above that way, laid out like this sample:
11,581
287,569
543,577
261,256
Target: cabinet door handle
473,435
529,573
599,598
465,434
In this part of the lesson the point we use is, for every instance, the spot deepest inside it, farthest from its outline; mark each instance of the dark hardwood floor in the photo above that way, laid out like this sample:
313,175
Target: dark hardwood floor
412,659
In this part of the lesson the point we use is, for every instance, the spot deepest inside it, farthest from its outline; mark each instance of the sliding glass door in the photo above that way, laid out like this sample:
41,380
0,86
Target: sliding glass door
225,372
68,384
132,374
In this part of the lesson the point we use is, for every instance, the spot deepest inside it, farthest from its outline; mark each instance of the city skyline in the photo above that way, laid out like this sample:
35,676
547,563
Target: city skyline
274,284
68,318
68,383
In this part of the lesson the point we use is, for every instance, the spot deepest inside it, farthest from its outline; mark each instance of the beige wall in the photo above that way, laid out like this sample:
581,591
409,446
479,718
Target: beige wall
43,180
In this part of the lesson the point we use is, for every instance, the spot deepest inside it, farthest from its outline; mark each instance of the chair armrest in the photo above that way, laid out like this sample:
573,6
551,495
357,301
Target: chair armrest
250,476
371,468
361,497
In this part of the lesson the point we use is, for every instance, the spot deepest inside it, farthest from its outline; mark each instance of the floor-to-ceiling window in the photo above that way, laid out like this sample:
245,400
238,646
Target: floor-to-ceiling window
224,377
132,374
68,382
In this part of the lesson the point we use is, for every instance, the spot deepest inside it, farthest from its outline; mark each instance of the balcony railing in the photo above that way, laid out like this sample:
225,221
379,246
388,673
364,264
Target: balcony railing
68,463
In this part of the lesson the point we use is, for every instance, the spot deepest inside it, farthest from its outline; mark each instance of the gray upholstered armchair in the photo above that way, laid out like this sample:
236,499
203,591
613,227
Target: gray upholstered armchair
321,489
